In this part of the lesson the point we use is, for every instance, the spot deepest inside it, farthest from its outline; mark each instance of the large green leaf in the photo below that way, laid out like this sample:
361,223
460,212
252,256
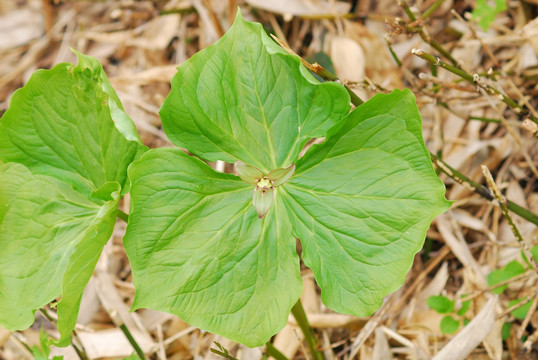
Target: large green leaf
68,123
198,249
50,239
245,99
66,144
361,203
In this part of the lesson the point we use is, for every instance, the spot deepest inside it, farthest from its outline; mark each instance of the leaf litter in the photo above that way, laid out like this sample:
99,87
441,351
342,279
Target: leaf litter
141,43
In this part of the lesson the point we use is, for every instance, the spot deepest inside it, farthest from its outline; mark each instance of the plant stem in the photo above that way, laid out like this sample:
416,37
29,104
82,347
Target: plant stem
431,9
420,30
132,341
475,79
407,10
434,60
273,351
300,316
481,190
484,119
122,215
394,56
506,213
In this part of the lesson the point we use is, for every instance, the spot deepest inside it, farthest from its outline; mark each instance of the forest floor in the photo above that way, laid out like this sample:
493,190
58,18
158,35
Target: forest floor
373,47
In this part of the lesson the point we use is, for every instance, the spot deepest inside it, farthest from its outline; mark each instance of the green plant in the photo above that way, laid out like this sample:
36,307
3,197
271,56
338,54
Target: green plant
65,144
450,323
484,13
360,202
43,352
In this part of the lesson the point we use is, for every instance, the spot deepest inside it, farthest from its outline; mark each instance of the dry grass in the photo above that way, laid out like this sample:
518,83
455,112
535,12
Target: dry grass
140,48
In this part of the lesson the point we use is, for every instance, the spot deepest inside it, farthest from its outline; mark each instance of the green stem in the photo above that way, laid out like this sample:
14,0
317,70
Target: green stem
300,316
273,351
394,56
484,119
132,341
439,48
122,215
431,9
481,190
504,208
434,60
407,10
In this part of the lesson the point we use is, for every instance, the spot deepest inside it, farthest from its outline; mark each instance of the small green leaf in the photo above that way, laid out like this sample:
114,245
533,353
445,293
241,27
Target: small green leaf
510,270
50,240
449,325
485,14
280,176
534,252
362,201
520,313
506,330
195,240
441,304
247,173
464,307
245,98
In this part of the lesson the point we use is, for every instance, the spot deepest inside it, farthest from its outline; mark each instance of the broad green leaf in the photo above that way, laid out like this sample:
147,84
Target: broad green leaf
50,239
68,123
441,304
449,325
512,269
361,203
245,99
198,249
66,143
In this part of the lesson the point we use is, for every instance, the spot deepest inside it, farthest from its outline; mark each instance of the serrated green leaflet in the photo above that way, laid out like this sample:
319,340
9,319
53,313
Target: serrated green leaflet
68,123
245,99
65,144
198,249
50,239
361,203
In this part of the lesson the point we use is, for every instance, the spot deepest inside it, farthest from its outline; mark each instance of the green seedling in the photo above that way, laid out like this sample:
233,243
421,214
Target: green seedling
43,352
451,322
216,249
485,12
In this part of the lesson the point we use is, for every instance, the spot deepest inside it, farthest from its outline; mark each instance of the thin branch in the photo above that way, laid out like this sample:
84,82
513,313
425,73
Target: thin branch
475,79
480,189
506,213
